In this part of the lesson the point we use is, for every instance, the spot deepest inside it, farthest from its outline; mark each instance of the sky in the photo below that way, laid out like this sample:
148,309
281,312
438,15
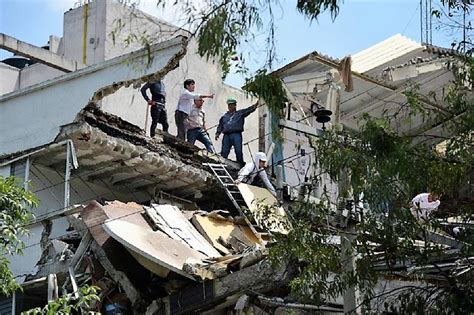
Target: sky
359,25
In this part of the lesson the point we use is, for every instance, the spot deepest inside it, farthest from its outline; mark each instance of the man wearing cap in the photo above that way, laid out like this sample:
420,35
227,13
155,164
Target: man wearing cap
196,125
231,125
184,106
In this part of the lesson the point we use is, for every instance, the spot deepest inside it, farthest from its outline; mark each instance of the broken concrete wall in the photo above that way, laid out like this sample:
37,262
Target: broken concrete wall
31,118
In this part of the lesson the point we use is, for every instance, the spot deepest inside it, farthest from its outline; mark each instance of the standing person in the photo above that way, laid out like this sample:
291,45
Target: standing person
184,106
424,204
249,172
232,125
157,105
196,125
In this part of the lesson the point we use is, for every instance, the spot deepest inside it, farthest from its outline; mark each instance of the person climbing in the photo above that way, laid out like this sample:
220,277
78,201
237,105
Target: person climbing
249,172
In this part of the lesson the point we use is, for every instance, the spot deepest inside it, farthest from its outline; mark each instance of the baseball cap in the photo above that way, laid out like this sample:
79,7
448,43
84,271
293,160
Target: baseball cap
231,100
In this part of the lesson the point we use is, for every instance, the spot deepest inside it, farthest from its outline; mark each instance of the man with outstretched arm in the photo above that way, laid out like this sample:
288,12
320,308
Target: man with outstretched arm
231,125
185,103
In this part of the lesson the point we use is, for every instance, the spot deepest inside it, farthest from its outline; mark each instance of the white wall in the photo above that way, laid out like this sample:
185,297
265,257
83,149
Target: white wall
9,78
37,73
45,107
134,22
73,33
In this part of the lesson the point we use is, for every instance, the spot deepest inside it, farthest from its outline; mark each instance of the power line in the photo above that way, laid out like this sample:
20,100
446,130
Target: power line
138,211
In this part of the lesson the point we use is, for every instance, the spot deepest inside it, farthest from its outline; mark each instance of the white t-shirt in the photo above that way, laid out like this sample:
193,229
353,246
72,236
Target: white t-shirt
186,101
421,207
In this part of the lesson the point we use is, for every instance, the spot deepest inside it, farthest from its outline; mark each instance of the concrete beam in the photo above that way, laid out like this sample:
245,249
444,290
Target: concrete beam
296,126
39,54
261,277
412,71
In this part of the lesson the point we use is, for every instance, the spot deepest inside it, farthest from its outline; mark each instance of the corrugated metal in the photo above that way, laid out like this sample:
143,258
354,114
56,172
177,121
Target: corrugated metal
371,93
391,48
5,306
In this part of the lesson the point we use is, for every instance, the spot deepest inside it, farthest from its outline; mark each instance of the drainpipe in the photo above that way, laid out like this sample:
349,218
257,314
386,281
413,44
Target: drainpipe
84,33
14,303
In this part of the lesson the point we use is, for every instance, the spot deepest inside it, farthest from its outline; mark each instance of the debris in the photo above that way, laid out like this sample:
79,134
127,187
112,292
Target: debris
171,221
214,227
153,249
265,210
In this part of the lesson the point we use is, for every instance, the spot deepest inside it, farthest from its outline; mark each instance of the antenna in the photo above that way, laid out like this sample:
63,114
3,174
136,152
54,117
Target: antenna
426,27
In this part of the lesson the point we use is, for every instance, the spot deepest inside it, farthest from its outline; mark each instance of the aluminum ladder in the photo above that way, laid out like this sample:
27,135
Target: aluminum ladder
233,192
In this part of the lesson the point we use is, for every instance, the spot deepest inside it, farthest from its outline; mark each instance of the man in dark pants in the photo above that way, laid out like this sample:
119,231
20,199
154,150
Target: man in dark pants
185,104
157,105
231,125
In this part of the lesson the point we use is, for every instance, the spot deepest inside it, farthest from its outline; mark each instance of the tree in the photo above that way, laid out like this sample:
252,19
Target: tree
15,215
68,303
382,165
15,203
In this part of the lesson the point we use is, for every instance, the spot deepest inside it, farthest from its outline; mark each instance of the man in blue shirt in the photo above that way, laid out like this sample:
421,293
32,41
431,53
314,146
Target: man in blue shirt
231,125
157,105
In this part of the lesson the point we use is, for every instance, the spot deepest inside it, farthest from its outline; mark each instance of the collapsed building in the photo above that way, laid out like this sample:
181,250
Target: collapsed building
155,222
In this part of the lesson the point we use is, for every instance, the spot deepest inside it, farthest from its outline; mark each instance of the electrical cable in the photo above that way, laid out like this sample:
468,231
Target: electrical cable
132,213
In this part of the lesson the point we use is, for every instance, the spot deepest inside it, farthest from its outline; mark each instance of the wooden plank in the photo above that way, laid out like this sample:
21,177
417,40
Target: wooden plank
155,247
213,229
81,249
252,194
103,246
172,221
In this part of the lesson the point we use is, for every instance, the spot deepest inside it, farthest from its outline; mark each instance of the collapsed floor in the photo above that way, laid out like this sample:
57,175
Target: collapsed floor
188,251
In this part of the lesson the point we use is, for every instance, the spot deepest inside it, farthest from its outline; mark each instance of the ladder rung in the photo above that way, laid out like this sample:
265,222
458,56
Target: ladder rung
214,165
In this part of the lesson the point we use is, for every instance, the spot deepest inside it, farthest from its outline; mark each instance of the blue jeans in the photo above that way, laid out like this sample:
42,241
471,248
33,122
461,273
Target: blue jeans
235,140
200,135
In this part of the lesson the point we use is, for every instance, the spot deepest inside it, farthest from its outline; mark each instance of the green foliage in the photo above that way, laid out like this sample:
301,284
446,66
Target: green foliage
223,29
69,304
386,168
15,203
268,217
270,89
313,9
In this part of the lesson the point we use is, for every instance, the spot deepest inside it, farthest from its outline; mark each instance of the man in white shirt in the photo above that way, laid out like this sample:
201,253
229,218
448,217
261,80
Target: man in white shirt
185,103
424,204
248,173
196,125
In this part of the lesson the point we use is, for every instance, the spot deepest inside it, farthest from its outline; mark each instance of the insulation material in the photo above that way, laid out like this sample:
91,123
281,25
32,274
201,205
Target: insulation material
264,208
213,229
